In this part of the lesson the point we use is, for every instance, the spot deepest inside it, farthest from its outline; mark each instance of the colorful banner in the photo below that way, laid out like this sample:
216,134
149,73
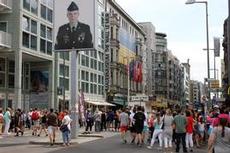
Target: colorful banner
81,106
135,71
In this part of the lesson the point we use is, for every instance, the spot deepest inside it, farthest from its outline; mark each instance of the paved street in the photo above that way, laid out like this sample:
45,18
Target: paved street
106,145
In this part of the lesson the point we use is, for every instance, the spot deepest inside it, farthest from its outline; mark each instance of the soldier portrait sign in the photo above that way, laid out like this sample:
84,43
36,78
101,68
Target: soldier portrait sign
74,26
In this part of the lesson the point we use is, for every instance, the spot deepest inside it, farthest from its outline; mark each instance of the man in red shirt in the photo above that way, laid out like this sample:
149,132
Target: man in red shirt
189,130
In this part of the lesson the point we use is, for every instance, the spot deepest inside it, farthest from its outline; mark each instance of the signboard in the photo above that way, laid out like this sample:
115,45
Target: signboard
216,47
74,25
140,98
214,84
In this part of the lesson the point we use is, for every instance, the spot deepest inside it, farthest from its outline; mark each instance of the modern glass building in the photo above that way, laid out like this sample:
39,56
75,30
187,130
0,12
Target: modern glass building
30,72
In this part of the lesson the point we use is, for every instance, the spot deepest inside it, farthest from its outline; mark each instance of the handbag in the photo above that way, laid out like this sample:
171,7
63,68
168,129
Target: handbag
64,128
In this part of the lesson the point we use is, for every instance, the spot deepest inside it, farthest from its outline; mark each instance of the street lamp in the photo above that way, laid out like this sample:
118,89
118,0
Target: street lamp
207,35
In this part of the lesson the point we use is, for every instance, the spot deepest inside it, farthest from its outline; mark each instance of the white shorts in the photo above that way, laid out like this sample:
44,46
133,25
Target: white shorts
51,129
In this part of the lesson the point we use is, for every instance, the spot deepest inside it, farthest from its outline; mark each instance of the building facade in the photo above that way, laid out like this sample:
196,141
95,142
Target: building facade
125,52
149,29
160,64
185,67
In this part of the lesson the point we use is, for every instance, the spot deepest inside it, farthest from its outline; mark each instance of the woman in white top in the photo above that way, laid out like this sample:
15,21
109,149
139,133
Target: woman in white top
66,130
167,131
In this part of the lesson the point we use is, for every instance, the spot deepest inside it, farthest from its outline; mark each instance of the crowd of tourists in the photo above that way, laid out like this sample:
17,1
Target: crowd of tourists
171,129
178,128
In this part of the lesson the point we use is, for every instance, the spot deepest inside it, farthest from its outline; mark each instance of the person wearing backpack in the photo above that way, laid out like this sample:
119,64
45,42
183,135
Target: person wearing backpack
139,119
1,121
35,119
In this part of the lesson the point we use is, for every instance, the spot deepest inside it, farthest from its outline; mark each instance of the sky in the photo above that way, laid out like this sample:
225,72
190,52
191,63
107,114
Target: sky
185,26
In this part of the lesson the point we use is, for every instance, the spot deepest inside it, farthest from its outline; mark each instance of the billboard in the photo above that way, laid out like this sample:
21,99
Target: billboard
74,26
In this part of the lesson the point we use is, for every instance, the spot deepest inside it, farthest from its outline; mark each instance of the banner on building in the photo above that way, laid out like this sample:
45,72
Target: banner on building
74,26
135,71
216,47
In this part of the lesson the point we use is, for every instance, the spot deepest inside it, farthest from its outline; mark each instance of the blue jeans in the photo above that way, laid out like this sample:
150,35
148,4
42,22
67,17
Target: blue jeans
66,137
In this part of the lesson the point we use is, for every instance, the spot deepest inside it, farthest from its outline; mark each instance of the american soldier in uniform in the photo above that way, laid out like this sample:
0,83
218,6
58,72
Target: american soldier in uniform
73,35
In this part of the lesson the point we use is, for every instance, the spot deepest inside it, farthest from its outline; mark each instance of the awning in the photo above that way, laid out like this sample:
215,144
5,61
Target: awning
99,103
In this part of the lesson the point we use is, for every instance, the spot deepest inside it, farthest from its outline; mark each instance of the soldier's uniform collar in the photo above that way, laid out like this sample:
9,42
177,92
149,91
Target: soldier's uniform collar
75,25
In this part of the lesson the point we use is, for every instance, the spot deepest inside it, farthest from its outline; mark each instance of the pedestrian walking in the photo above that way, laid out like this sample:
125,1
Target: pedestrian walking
7,121
97,119
52,126
219,140
43,123
180,123
139,119
124,122
66,130
132,125
189,131
167,130
158,123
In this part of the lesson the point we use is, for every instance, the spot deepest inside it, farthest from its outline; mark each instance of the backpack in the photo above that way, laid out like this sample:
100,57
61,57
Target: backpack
35,116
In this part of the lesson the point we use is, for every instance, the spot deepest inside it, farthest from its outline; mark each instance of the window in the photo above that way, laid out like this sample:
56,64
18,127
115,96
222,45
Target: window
11,66
61,69
50,15
64,54
26,23
43,11
85,87
46,42
43,31
2,64
42,45
31,5
49,48
3,26
33,42
25,39
49,33
26,4
11,81
33,26
34,6
2,80
46,12
64,82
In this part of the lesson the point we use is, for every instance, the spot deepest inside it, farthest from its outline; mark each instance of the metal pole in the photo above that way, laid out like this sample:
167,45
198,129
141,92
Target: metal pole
74,94
63,103
128,96
207,34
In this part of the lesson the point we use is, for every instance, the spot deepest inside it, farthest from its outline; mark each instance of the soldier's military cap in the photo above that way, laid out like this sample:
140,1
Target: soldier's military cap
73,7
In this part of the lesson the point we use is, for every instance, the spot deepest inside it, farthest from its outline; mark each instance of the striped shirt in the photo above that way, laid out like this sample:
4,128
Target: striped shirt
180,122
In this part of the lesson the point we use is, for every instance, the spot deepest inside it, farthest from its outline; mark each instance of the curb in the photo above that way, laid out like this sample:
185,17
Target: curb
91,135
47,143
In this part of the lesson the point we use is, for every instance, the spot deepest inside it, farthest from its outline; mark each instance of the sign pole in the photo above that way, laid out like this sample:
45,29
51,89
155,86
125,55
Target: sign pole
74,94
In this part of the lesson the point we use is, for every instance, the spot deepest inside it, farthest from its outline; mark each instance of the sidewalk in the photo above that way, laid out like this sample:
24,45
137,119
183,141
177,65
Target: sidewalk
27,138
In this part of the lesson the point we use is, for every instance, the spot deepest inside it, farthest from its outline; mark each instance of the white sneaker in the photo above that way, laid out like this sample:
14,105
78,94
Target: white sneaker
149,147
